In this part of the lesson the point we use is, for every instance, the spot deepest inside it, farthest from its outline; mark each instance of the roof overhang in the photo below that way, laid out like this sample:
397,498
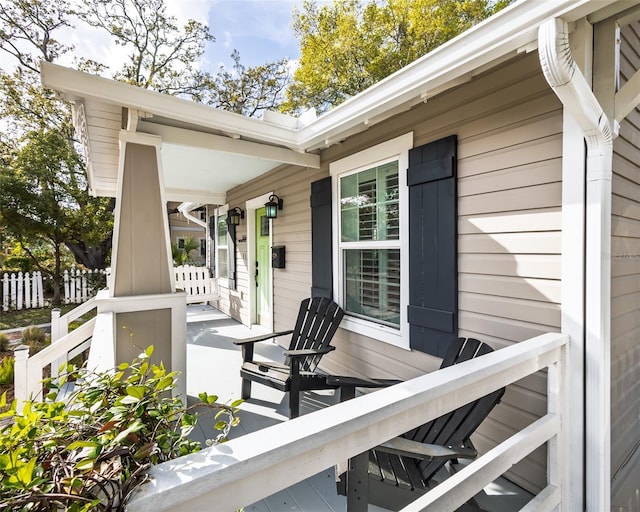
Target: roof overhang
211,151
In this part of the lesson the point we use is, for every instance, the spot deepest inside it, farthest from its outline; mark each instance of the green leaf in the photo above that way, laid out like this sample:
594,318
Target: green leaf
237,403
82,444
149,350
127,400
25,471
136,391
164,383
85,464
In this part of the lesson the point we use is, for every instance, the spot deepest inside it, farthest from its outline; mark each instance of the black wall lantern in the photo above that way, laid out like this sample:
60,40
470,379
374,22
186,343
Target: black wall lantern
235,215
272,206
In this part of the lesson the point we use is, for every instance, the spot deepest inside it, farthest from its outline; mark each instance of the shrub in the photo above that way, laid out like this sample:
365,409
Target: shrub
6,370
35,337
4,342
92,450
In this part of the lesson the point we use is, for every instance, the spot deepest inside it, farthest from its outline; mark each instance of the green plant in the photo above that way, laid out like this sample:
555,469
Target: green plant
6,370
35,337
182,255
92,450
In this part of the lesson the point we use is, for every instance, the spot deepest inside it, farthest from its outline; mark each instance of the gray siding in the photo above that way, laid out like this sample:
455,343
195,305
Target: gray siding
625,294
509,129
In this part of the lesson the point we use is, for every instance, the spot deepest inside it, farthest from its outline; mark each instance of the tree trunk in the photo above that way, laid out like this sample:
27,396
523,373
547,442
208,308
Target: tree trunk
56,275
94,257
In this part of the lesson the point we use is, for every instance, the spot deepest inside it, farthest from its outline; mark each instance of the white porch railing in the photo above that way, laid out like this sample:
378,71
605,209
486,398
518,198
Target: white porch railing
28,370
196,282
257,465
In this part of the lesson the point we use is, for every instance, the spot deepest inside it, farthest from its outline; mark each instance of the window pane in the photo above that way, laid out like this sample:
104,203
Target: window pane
222,230
372,284
369,204
223,264
221,247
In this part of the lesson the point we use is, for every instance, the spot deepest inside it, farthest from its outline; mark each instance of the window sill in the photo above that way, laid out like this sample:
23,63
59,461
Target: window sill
376,331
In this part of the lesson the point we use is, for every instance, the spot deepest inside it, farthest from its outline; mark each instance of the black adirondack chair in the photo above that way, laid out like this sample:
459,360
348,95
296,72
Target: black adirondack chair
317,322
398,472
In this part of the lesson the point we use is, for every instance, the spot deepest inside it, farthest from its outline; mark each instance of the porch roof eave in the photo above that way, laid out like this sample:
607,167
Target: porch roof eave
76,85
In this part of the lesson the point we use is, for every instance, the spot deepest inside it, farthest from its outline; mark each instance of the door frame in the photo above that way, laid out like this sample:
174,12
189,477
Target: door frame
251,206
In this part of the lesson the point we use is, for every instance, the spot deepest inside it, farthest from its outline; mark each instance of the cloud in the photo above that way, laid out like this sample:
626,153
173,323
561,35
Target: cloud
228,39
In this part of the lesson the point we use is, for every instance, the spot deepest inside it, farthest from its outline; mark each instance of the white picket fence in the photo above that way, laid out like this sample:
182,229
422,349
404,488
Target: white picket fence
25,290
22,291
81,285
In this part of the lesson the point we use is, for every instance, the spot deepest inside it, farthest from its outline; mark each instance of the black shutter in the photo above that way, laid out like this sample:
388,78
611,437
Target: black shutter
321,238
231,252
212,237
433,255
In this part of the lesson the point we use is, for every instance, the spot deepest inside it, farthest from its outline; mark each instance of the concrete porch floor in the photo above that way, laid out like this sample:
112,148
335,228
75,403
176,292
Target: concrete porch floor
213,364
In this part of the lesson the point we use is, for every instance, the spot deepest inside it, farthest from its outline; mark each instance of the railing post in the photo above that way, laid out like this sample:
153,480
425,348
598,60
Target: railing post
55,325
20,375
558,404
57,329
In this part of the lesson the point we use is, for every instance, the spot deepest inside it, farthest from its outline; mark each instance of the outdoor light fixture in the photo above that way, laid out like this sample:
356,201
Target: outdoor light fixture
272,206
235,215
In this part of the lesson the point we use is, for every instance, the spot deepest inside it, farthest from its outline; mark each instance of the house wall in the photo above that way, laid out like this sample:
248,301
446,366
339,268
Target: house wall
509,195
625,294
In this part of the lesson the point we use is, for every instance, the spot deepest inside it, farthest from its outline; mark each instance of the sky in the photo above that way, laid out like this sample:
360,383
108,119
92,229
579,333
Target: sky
259,29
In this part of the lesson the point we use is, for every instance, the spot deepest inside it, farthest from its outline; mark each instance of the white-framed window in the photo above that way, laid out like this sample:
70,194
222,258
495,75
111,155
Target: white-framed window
180,242
222,261
203,247
370,205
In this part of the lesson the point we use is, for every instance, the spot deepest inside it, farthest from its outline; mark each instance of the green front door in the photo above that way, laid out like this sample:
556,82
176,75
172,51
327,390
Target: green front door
262,267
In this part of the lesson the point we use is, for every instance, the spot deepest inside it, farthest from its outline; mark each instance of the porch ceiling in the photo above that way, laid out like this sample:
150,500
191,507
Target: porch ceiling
204,151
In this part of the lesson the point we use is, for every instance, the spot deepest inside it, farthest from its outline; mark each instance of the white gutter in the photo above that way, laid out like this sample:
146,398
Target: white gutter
579,101
509,31
185,209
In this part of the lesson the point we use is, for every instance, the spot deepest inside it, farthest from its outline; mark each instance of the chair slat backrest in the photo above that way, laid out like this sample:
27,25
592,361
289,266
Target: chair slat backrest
455,428
317,322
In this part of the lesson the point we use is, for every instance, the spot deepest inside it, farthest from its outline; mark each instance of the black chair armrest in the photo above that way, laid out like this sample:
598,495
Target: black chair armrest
261,337
306,352
360,382
348,385
409,448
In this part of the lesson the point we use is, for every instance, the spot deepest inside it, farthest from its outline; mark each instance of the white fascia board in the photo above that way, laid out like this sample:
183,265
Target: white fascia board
183,137
459,59
75,85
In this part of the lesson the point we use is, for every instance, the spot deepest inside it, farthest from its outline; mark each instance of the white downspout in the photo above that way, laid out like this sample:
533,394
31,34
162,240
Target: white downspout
568,83
185,209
